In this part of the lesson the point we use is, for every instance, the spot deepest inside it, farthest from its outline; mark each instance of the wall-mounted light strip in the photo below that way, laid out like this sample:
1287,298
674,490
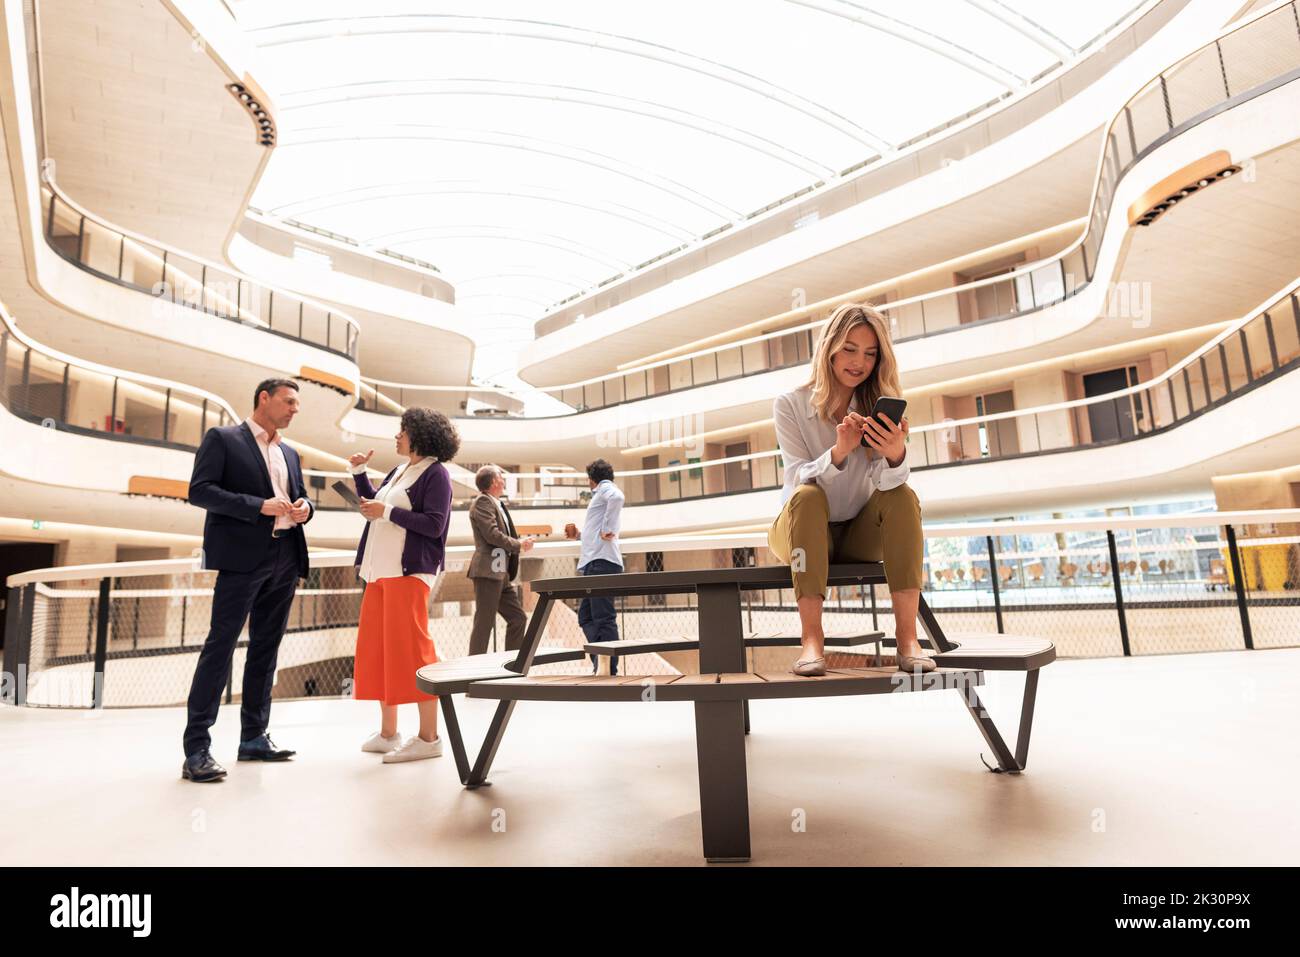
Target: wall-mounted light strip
261,115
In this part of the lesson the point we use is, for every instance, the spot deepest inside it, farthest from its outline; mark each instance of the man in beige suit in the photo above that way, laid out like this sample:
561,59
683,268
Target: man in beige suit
494,569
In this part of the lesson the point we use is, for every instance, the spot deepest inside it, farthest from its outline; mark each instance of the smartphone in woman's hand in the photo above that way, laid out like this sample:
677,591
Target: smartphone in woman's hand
893,408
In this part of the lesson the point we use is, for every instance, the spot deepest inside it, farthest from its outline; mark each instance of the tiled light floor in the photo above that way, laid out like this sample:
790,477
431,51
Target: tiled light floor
1175,760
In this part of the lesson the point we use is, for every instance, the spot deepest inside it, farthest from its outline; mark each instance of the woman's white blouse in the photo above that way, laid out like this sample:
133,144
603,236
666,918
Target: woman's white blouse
384,544
806,442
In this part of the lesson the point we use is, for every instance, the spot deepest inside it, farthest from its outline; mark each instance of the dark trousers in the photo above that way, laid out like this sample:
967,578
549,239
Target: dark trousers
596,616
262,597
493,596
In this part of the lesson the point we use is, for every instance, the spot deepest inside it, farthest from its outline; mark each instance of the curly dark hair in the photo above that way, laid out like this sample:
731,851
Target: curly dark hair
600,470
431,433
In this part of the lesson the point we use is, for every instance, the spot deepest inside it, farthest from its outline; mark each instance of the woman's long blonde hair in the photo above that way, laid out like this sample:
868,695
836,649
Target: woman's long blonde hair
884,377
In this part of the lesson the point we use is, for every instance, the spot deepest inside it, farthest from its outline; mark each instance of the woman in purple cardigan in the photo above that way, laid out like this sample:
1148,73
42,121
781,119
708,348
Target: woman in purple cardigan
400,554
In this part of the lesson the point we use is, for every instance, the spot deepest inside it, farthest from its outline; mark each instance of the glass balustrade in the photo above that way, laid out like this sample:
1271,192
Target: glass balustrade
187,282
1252,351
59,393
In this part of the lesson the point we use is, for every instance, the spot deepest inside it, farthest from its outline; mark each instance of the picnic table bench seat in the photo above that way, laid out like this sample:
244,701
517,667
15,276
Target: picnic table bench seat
454,675
994,652
721,686
720,695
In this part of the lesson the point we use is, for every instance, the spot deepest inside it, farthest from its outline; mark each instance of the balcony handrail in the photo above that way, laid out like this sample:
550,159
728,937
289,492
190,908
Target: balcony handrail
1023,270
49,182
1183,363
372,381
333,558
1195,356
96,367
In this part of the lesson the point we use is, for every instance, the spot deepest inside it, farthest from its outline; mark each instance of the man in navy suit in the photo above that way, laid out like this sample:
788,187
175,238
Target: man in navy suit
251,485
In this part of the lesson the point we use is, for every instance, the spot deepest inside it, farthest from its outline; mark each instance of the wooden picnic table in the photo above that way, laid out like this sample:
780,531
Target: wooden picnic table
722,690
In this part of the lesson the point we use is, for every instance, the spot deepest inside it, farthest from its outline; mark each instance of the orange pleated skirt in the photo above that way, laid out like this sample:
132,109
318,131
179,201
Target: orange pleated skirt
393,641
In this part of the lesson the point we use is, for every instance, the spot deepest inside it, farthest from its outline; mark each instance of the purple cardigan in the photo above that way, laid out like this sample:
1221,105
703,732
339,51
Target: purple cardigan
426,521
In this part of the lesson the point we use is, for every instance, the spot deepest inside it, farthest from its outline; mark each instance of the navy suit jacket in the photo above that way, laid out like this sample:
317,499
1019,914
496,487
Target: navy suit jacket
230,480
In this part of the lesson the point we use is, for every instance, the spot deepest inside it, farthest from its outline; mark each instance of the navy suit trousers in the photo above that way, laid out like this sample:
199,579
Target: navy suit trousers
262,597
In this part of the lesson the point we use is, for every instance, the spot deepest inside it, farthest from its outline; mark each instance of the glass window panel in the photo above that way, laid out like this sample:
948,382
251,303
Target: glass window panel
186,413
1286,331
144,411
1147,110
729,361
100,249
1261,359
635,385
1236,360
1195,85
1261,50
754,358
90,397
704,369
679,375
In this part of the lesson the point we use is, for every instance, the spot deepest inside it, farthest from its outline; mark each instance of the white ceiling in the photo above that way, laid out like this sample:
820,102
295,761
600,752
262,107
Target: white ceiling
533,152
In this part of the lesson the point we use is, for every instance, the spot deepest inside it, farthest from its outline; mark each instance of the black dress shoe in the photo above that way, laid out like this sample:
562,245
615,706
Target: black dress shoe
262,748
201,767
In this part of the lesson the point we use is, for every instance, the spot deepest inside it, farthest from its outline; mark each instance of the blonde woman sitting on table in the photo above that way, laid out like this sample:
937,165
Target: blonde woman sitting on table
401,552
841,501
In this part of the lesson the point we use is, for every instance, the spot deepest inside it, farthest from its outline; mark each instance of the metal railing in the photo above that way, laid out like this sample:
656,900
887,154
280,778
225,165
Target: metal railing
180,279
92,243
58,391
1247,353
392,398
128,634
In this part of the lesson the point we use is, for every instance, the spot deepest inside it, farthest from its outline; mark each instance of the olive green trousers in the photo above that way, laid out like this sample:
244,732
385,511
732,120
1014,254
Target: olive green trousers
887,529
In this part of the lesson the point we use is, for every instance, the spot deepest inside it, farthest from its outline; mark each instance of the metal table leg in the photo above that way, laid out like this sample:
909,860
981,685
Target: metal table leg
452,727
477,777
720,728
491,741
722,640
1006,762
724,789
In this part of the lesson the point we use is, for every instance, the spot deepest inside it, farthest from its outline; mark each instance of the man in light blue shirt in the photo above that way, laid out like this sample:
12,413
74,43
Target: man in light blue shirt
600,554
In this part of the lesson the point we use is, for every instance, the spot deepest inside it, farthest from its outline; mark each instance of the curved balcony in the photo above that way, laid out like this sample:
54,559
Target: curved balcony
136,262
58,391
93,445
1244,63
1250,352
392,398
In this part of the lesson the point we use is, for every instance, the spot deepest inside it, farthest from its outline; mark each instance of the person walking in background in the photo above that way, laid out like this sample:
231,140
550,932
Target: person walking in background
401,551
250,484
600,554
494,567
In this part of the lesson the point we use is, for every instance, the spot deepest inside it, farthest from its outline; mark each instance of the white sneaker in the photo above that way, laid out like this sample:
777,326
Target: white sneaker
377,742
414,749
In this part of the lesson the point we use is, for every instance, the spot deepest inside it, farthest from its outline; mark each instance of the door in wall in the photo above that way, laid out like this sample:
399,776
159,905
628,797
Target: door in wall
739,474
1110,420
650,483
